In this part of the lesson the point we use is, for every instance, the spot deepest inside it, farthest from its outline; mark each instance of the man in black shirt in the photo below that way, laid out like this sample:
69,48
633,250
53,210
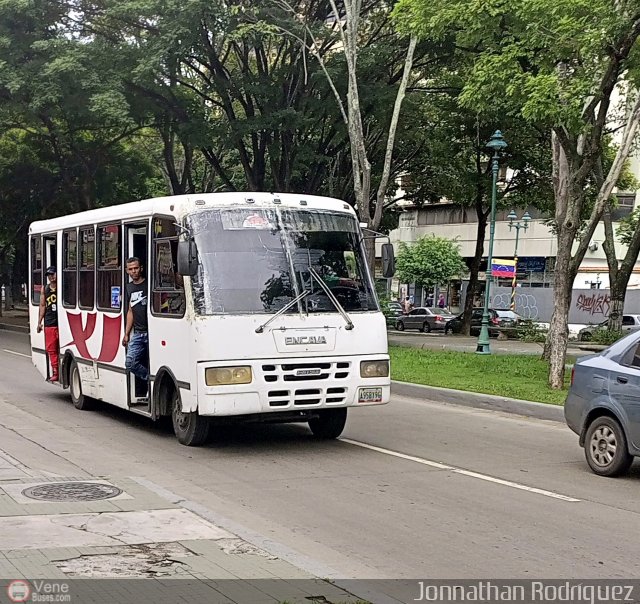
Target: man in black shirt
137,344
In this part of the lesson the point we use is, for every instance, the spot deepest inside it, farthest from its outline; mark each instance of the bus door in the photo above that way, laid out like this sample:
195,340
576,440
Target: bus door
42,255
136,238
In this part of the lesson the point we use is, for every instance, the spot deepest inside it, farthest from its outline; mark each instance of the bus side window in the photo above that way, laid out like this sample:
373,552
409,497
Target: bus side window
36,269
69,268
87,283
109,277
168,286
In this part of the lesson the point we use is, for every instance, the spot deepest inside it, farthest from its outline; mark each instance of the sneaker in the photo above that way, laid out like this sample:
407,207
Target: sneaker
53,378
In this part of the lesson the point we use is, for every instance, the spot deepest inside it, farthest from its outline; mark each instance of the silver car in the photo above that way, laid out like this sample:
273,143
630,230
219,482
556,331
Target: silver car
603,406
629,323
424,319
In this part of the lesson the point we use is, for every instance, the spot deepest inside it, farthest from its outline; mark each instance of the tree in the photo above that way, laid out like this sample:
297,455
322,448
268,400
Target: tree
346,20
557,64
453,165
429,262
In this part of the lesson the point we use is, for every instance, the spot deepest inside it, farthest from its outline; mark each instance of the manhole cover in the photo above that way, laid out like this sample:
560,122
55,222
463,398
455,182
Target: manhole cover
72,491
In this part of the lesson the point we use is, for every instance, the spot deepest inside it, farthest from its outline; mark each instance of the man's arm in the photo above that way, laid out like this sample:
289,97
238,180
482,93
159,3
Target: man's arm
41,311
128,327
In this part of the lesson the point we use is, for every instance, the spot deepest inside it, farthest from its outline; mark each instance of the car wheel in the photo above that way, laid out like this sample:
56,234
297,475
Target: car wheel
605,447
585,337
426,328
329,424
79,400
399,325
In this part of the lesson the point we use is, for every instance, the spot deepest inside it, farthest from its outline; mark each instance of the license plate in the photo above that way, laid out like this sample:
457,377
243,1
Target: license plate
370,395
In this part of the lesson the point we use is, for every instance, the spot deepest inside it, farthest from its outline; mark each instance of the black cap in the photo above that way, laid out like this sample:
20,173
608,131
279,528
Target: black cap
51,270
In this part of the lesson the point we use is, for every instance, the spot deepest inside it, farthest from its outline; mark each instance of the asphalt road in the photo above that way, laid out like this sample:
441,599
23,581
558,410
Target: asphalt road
445,492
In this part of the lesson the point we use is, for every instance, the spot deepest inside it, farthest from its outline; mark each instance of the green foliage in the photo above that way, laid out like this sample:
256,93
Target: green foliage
536,58
530,331
430,261
605,337
628,226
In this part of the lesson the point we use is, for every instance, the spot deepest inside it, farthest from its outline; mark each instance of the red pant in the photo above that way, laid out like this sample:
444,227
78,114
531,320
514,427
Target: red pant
52,344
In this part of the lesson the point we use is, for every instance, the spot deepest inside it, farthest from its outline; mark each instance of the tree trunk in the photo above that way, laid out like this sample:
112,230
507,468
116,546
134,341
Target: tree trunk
474,271
616,309
558,336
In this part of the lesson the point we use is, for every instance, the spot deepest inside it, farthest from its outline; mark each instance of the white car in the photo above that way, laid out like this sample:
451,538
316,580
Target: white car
629,323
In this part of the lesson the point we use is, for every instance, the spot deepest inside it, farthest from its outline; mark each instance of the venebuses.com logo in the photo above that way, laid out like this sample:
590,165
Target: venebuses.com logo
20,590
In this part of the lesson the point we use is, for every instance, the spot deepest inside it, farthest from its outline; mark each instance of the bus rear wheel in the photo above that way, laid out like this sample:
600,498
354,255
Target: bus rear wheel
79,400
190,428
329,424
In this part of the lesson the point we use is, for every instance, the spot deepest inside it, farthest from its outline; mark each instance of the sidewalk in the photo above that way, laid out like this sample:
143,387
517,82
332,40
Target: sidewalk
57,530
16,319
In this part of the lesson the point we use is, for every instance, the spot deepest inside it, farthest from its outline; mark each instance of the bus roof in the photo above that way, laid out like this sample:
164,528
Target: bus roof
178,205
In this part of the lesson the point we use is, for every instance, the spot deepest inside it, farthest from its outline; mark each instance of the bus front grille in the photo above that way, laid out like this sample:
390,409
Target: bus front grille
306,397
315,371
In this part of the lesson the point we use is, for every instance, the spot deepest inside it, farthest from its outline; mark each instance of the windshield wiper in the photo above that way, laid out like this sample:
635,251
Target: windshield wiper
284,309
331,297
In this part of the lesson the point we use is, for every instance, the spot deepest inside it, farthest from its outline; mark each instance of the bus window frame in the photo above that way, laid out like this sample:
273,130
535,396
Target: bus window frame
80,271
152,273
35,239
65,271
99,226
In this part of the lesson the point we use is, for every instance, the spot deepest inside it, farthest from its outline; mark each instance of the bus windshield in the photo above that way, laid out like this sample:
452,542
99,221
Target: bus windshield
256,260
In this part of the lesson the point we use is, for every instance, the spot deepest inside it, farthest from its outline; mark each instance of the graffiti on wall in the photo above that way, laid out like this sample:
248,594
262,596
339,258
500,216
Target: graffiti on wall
526,304
594,304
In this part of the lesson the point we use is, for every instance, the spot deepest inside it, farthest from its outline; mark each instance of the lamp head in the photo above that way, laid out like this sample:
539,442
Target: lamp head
526,219
497,142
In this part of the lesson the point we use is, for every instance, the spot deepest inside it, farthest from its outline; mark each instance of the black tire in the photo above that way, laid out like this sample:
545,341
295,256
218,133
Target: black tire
399,325
79,400
329,424
585,337
605,447
426,328
190,429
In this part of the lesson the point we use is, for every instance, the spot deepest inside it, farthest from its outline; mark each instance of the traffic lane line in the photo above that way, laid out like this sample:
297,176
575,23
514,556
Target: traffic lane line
20,354
462,471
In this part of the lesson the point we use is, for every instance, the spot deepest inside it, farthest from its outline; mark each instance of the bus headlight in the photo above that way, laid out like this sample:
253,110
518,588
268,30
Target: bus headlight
224,376
370,369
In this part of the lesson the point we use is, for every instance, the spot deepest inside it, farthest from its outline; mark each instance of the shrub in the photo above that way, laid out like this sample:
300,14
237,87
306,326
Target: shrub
530,331
606,337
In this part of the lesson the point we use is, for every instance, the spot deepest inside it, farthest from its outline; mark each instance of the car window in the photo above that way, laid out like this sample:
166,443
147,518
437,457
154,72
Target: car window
631,358
417,311
439,311
477,314
627,320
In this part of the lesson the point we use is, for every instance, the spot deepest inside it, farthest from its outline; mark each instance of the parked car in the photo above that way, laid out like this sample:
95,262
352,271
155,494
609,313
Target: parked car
392,312
498,318
629,323
424,319
602,406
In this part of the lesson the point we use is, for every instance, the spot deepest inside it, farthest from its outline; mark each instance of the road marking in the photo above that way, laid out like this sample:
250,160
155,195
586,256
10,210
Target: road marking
462,471
20,354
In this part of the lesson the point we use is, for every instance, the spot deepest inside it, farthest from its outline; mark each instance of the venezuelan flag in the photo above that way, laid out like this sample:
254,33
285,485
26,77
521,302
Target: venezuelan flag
503,268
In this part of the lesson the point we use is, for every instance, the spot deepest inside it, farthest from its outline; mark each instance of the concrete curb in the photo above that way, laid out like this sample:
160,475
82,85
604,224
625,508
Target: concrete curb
16,328
479,401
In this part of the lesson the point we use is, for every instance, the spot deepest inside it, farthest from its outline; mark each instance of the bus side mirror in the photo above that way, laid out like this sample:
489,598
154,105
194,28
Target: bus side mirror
187,258
388,261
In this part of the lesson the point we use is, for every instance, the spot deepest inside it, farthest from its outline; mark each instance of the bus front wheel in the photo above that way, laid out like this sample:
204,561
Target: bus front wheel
329,424
190,428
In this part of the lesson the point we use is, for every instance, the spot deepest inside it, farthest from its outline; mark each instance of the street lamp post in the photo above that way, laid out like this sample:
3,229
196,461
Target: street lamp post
514,223
497,143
